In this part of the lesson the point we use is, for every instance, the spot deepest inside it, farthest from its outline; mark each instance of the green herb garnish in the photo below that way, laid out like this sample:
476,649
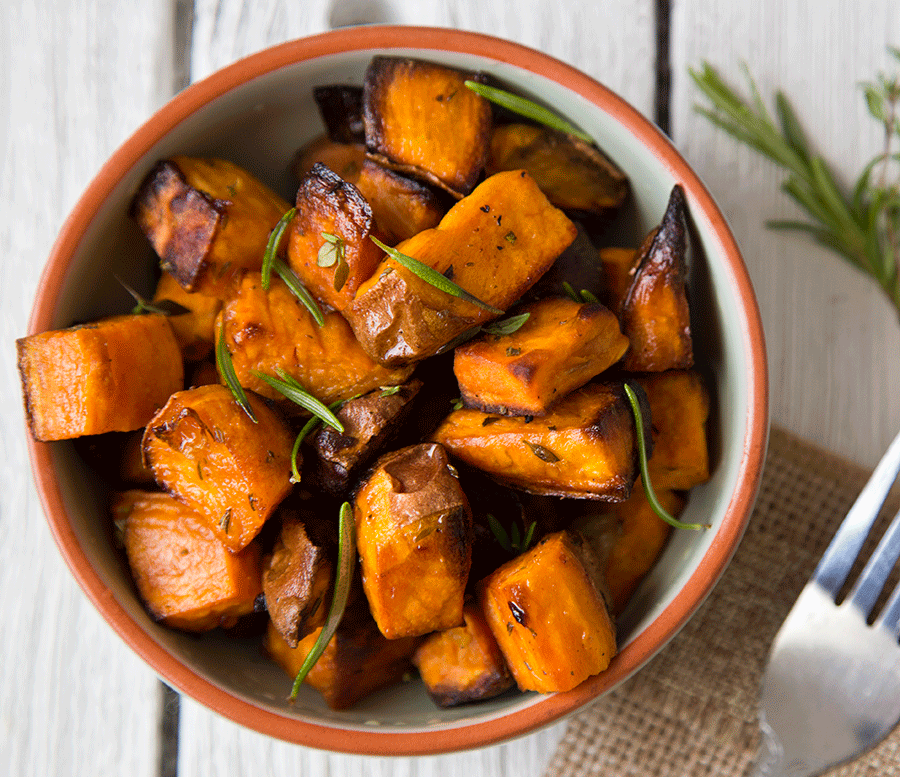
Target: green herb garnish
645,474
507,326
308,427
433,277
513,542
389,391
272,246
528,109
226,370
581,297
165,307
342,579
299,290
290,388
863,227
334,252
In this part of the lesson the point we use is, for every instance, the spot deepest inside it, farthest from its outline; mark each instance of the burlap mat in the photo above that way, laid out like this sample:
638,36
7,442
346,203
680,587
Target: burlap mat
692,709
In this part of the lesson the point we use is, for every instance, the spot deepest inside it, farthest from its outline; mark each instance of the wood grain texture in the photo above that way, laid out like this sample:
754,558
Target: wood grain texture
76,78
833,341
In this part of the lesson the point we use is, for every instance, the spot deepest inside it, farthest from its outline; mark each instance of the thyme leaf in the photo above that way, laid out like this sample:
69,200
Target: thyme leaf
342,579
226,370
645,474
544,454
528,109
272,246
433,277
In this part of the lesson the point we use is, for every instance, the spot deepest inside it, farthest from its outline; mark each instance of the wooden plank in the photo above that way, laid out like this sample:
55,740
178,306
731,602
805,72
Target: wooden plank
613,42
77,78
833,341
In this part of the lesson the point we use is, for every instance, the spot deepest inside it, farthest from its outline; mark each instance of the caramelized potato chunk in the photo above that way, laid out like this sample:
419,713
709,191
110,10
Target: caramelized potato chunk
207,219
495,244
108,376
329,209
679,404
422,120
639,542
341,109
194,329
296,579
207,452
344,159
357,661
585,447
574,175
463,664
561,346
414,524
267,331
402,207
619,266
548,614
185,576
369,422
655,315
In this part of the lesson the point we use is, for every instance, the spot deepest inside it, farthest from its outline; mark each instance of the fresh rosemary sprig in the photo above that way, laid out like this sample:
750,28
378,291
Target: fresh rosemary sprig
582,297
164,307
307,429
298,289
226,370
513,542
433,277
645,474
528,109
290,388
272,246
342,579
863,226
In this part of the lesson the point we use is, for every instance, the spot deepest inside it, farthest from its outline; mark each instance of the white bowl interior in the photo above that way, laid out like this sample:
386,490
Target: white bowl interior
260,125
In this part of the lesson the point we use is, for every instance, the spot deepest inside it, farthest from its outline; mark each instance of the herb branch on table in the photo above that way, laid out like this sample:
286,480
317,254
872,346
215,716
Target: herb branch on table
862,226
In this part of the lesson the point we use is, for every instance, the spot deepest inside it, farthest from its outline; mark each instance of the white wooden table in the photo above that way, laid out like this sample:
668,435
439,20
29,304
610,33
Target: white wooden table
78,76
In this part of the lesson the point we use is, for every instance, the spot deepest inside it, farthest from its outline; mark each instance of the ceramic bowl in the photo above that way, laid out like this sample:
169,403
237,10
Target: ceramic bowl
257,112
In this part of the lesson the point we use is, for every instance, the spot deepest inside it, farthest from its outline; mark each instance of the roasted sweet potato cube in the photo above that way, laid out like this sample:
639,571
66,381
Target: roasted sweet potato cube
655,315
296,580
357,661
207,219
268,331
341,109
402,206
369,423
577,266
414,524
108,376
679,404
421,119
329,246
585,447
209,454
463,664
561,346
548,614
344,159
639,542
193,329
495,244
618,272
184,574
574,175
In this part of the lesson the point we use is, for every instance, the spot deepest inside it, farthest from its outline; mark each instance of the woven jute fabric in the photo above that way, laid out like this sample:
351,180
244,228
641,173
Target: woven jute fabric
692,709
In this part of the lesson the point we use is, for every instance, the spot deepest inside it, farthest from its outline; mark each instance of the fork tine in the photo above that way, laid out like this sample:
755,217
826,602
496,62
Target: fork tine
889,619
835,565
868,587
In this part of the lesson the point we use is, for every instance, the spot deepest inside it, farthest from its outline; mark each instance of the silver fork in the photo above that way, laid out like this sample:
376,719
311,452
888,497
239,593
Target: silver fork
831,690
